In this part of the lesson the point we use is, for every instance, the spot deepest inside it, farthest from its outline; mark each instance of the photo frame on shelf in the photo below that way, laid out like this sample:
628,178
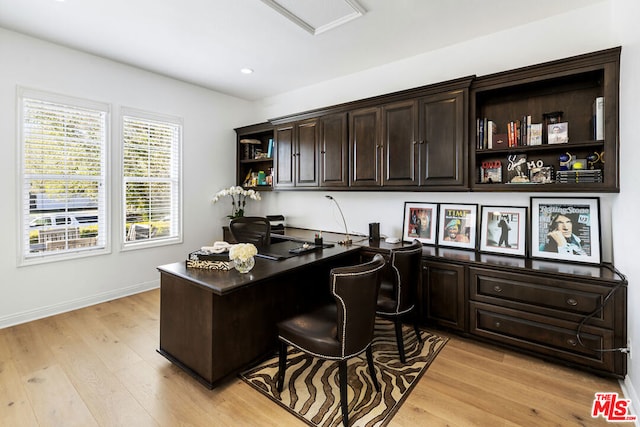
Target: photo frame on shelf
566,229
503,230
420,222
457,225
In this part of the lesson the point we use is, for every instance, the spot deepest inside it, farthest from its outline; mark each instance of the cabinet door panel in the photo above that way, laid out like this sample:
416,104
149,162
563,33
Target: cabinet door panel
400,129
442,153
334,164
283,164
364,140
443,298
306,155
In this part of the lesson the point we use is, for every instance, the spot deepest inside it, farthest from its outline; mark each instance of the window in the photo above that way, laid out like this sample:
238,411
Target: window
151,179
63,166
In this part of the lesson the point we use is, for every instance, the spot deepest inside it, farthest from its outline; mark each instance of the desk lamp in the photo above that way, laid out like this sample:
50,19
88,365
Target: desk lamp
347,240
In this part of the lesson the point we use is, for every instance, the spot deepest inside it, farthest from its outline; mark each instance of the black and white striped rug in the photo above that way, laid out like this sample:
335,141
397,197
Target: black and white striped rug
311,389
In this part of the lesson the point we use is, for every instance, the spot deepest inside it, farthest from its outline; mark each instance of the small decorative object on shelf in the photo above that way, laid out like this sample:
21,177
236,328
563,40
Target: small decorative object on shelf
565,161
517,170
595,160
242,256
251,147
238,199
491,172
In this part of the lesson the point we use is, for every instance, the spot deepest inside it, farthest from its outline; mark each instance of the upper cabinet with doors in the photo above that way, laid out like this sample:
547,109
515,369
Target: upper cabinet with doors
334,151
382,141
417,139
296,151
442,144
435,138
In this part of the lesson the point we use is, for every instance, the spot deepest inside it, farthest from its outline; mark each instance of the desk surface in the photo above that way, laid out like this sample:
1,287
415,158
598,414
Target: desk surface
223,282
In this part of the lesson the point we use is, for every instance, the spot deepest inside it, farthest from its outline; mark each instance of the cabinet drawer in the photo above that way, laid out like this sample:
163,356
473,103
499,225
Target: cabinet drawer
553,338
565,299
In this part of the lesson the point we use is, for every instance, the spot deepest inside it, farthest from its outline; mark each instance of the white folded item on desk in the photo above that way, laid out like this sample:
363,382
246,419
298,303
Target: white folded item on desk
217,248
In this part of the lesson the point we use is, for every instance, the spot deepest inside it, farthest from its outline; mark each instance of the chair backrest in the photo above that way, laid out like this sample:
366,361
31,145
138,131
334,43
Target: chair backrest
355,289
406,266
251,229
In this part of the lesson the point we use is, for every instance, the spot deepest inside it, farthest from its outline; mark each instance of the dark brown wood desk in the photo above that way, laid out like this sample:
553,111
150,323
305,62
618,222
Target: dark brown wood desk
215,323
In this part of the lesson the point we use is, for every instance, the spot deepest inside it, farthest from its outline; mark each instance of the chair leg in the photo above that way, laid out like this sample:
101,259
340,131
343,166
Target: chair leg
282,365
399,339
342,377
372,371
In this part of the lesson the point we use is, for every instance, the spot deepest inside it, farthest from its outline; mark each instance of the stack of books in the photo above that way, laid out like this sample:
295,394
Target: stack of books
579,176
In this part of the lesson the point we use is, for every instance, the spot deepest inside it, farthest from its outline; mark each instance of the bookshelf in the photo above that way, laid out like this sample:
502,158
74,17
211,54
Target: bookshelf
570,86
253,156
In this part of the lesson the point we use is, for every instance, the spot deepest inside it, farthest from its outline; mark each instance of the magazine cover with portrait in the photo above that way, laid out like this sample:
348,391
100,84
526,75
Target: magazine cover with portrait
457,225
420,222
566,229
503,230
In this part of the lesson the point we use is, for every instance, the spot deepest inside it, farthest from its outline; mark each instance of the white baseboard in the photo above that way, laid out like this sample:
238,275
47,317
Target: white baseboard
630,393
28,316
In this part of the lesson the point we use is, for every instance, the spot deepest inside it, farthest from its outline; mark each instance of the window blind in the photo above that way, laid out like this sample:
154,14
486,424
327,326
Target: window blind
63,176
151,173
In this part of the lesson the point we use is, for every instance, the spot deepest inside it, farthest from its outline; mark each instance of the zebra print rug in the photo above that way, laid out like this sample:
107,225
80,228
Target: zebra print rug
311,389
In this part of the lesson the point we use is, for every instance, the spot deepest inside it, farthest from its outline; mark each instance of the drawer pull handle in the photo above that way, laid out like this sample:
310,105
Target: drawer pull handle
497,288
572,301
572,342
497,324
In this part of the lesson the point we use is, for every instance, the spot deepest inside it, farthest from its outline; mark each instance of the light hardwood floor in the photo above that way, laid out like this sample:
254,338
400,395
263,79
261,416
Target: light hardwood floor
98,366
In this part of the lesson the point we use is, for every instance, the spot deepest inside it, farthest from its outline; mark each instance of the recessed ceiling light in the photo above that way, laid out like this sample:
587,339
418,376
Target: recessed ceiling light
246,70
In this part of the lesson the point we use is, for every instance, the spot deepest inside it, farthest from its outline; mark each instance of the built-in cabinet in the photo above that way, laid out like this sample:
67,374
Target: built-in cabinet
572,314
297,151
567,313
428,138
334,151
579,93
442,295
252,140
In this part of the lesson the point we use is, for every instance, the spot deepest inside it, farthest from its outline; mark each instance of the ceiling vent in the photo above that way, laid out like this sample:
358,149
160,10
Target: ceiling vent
317,16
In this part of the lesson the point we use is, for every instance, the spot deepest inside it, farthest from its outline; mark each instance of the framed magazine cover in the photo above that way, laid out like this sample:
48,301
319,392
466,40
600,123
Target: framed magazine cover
457,225
503,230
566,229
420,221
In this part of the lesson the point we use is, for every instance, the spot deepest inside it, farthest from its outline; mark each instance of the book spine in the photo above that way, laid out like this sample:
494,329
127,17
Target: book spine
491,127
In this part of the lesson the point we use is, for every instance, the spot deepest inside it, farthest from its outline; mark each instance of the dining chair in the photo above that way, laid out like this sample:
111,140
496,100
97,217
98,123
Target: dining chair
398,290
340,330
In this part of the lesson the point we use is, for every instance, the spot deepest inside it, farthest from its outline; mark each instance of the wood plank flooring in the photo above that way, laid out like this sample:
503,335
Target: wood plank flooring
98,366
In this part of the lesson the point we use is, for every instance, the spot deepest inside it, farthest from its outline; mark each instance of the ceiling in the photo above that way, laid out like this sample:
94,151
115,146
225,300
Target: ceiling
207,42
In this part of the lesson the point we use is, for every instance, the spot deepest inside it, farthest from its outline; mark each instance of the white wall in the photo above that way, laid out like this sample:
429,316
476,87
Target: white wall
209,145
604,25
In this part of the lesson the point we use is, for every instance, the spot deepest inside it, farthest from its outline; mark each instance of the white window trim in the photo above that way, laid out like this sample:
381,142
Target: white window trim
136,245
24,92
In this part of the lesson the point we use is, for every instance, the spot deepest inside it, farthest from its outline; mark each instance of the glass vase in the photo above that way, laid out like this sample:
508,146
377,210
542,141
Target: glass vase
244,266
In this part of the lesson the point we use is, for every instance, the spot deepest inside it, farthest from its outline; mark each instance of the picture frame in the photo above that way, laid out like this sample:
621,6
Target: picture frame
457,225
503,230
566,229
558,133
420,222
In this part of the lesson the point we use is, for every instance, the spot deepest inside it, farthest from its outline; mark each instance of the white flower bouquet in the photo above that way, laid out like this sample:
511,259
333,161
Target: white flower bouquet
238,199
242,251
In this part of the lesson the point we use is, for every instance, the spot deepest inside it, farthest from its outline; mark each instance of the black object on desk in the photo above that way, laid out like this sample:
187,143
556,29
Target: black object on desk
288,249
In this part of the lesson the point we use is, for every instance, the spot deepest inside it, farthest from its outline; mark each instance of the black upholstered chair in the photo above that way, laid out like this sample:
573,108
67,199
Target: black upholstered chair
398,289
340,330
251,229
